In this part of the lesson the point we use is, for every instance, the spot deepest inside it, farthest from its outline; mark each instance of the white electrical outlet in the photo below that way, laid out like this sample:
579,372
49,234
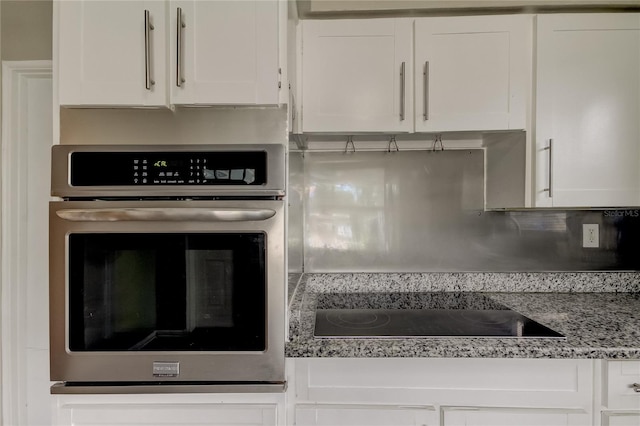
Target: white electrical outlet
590,235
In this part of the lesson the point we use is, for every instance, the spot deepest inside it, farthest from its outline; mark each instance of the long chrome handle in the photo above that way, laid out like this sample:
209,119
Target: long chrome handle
402,90
194,214
550,149
179,26
425,76
636,387
148,80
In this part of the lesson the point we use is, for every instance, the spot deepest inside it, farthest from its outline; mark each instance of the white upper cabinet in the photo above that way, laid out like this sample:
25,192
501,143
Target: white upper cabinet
472,72
588,110
225,52
112,53
357,75
136,53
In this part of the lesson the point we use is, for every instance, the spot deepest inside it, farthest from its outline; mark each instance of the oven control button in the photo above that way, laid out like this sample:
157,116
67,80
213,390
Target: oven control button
208,173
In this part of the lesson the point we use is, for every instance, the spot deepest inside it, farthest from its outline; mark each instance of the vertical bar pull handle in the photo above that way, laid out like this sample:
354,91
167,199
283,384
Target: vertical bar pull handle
148,80
179,26
550,149
425,76
402,90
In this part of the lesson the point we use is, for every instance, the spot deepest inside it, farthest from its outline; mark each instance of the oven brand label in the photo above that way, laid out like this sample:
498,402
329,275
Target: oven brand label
166,369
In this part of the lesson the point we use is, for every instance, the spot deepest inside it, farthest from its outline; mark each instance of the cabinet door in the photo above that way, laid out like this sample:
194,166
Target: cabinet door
513,416
228,52
621,393
621,419
357,75
108,57
362,415
166,414
588,105
471,72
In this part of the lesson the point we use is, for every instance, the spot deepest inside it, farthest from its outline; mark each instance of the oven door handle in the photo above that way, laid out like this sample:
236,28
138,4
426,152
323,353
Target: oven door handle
194,214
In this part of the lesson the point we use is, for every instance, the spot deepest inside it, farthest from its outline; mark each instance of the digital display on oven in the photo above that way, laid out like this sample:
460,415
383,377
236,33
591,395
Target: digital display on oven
168,168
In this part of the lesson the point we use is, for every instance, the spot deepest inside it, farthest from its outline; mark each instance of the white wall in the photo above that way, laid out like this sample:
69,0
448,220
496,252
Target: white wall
25,34
25,29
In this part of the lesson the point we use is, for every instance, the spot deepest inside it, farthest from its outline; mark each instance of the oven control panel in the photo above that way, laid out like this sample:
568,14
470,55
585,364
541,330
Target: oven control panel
168,168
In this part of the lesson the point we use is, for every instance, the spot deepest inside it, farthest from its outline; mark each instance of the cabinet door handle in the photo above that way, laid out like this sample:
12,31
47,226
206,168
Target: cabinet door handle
425,76
148,80
179,26
636,387
550,149
402,90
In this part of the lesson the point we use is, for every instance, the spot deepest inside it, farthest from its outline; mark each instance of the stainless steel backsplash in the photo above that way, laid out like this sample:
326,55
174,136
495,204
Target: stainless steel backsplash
422,211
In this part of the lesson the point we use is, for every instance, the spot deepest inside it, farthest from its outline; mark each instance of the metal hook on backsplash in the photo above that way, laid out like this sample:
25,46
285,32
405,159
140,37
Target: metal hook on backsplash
438,140
349,143
393,145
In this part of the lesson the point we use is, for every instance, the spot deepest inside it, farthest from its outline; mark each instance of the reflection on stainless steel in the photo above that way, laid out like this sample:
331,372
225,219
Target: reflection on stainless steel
295,192
165,214
377,211
421,211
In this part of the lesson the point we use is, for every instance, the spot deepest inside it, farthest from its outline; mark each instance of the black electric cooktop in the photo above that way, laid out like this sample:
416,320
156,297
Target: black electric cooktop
394,315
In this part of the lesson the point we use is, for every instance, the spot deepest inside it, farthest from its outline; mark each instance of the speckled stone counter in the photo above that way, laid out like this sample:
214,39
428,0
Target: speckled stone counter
599,313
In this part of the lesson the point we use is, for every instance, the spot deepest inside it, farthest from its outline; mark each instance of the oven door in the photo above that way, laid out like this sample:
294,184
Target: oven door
148,291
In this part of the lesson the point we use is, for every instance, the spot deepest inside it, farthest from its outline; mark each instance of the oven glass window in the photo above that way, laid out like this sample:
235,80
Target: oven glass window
167,292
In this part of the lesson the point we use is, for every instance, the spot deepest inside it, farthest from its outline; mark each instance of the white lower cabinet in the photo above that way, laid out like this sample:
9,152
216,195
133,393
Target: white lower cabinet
511,417
392,392
621,393
621,419
182,409
421,391
363,415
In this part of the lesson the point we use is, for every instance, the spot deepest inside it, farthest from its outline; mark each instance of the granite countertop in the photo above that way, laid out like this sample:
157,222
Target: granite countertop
599,313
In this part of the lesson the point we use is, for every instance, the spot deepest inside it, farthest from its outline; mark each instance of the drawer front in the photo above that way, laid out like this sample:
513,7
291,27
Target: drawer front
169,414
359,415
491,416
621,377
621,419
516,382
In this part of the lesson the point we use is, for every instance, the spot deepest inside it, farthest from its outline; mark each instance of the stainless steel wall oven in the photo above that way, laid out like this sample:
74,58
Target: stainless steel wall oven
167,268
